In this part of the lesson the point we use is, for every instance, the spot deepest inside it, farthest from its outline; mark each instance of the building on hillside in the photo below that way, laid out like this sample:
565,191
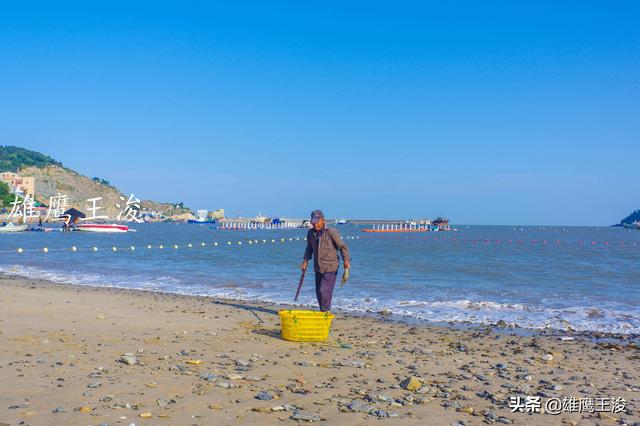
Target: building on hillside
217,214
150,215
22,185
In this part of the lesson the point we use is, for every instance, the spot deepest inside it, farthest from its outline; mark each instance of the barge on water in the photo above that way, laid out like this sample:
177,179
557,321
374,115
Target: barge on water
439,224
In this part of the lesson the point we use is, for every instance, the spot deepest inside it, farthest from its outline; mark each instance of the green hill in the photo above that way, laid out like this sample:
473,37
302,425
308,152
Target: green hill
13,158
51,178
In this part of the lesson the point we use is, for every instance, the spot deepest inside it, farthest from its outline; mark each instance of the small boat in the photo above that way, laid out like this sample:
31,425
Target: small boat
101,227
441,224
10,227
261,219
201,218
341,221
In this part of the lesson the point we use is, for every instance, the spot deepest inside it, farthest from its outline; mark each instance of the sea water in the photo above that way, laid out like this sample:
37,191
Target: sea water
581,278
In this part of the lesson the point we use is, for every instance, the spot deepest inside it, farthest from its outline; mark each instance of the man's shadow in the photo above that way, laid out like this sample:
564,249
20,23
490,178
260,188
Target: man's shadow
253,309
268,332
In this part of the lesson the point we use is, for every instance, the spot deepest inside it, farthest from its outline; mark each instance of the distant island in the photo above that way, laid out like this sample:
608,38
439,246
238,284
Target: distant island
630,220
41,177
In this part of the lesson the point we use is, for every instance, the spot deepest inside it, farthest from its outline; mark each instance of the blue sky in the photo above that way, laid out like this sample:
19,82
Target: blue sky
485,112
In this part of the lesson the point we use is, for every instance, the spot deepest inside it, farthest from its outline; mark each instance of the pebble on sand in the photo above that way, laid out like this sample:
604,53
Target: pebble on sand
359,406
128,359
411,383
264,396
466,409
208,377
305,417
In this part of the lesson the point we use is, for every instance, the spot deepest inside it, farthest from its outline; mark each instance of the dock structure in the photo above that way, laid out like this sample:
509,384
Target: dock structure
242,224
424,225
399,227
383,225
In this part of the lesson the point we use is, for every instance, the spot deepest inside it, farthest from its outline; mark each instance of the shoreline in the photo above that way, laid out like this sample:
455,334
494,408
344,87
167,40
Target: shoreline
383,316
201,360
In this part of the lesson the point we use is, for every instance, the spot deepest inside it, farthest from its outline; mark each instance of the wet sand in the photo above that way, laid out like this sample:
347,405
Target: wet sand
76,355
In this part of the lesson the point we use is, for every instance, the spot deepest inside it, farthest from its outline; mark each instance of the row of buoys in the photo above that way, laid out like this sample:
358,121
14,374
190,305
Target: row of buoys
247,226
282,240
174,246
511,241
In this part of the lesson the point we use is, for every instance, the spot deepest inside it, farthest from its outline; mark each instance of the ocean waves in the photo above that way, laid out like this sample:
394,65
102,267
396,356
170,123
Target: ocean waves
607,317
568,286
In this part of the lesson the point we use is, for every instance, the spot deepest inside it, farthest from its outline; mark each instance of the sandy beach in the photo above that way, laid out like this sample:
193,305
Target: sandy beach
76,355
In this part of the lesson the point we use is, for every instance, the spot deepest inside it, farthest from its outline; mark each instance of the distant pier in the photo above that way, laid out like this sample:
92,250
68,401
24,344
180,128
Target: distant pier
398,225
241,224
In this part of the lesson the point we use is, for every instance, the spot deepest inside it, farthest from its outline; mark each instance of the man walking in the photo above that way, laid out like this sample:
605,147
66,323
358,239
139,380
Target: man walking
324,243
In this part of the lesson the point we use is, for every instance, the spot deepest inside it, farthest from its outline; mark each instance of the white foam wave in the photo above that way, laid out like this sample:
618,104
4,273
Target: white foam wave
465,304
607,318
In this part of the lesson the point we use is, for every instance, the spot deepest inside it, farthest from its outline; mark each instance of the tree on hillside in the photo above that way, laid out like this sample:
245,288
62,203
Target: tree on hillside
13,158
6,196
101,181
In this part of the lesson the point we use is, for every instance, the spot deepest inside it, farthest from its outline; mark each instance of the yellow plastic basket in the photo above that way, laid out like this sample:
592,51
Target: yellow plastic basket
305,326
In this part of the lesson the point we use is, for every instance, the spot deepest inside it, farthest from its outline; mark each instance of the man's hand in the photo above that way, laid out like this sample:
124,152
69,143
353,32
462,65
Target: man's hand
304,265
347,264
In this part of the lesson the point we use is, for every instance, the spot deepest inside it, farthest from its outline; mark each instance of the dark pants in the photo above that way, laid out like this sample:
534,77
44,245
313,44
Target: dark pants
324,289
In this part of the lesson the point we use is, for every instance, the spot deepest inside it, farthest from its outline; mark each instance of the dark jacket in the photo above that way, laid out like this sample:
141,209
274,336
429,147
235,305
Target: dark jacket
325,250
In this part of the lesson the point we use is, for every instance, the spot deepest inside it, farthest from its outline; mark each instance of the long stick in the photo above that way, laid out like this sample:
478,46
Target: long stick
300,284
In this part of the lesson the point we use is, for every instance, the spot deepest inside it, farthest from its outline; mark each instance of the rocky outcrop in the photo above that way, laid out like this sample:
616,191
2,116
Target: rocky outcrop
633,217
53,180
